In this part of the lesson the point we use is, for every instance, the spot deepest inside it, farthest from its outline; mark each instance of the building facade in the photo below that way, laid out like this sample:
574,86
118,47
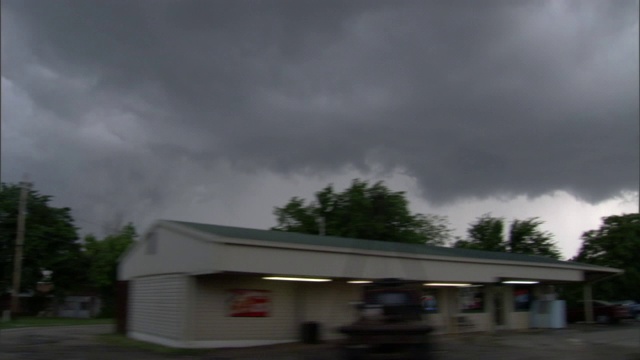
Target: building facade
198,286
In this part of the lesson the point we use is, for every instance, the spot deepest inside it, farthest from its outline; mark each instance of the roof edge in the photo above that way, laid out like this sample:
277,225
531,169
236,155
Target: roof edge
184,226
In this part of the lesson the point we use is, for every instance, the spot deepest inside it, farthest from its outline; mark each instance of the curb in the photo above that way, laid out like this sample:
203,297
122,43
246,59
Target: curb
64,327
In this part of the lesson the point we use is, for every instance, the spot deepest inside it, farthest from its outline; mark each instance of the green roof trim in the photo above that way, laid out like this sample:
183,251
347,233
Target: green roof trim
374,245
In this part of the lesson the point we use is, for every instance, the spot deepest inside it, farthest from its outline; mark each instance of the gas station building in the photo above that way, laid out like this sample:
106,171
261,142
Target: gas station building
194,285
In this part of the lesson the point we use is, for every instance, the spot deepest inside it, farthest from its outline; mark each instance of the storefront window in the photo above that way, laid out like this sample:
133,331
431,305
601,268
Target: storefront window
471,299
429,301
522,298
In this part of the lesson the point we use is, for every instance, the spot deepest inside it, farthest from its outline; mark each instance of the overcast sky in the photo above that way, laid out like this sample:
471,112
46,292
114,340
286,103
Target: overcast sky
217,111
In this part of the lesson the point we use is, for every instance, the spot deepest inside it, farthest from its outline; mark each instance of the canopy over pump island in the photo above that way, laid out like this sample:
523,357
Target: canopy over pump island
197,285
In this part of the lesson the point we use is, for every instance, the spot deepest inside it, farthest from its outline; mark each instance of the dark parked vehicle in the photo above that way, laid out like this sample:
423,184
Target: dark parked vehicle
603,312
632,306
390,323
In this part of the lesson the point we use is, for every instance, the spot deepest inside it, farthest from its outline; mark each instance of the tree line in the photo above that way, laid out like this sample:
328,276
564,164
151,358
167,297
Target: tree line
374,212
362,210
52,242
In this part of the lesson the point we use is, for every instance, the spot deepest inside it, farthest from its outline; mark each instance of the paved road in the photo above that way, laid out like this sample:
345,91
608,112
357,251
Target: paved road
64,342
620,342
600,343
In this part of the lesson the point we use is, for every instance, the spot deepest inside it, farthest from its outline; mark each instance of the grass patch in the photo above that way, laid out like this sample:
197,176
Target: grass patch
25,322
123,341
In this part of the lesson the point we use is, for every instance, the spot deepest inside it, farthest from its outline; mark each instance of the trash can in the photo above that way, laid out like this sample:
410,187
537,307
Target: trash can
310,332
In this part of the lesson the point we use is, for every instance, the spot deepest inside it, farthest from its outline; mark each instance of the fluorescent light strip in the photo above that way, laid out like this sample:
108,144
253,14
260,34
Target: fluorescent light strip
295,279
522,282
447,284
359,282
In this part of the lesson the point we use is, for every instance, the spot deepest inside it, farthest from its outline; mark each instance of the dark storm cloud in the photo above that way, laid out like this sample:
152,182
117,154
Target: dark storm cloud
474,100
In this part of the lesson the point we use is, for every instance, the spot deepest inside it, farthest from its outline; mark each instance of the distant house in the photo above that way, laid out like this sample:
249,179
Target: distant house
28,303
79,306
198,285
82,305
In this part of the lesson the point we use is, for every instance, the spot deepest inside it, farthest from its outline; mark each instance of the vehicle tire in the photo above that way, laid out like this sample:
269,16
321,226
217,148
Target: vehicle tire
604,319
352,354
420,352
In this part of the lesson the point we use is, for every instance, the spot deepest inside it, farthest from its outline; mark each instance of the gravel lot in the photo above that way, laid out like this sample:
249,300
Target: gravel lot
620,342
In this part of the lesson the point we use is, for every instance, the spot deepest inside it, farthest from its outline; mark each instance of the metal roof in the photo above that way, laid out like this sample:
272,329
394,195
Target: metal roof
372,245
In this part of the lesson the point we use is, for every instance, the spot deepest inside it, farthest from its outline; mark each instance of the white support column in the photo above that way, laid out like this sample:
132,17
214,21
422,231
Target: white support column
490,308
452,309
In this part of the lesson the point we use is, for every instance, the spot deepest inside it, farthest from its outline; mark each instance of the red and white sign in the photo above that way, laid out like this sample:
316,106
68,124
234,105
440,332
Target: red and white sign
249,303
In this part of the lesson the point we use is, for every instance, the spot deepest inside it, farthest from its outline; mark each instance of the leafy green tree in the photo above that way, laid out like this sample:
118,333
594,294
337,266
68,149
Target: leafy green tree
486,233
51,241
362,211
615,244
297,216
103,256
435,227
525,237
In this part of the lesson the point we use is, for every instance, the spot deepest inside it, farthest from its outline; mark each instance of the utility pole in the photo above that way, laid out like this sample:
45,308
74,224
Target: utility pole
17,261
